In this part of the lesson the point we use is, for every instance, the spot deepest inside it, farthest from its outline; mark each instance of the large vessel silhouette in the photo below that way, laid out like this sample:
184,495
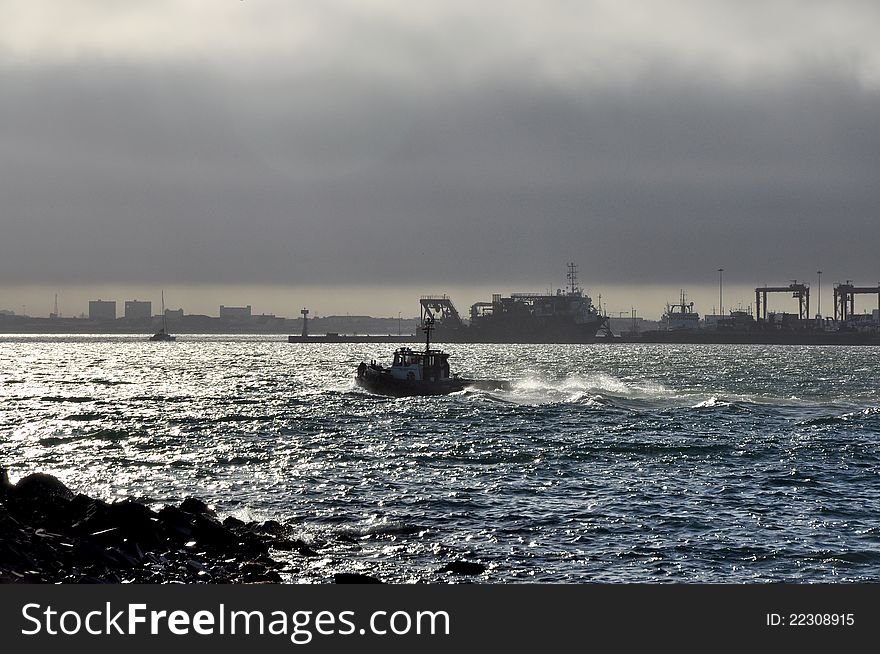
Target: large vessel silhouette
568,316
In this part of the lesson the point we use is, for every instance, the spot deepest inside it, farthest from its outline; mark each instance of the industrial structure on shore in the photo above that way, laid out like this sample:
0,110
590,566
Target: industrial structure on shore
569,316
681,324
566,316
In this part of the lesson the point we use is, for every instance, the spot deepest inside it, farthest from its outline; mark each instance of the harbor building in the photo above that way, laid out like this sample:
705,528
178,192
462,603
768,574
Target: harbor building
137,310
102,310
235,313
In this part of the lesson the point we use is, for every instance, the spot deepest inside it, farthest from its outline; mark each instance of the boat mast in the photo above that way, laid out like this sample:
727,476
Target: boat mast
428,326
164,317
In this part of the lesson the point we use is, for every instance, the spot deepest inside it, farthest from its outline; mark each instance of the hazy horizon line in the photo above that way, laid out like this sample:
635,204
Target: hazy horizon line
382,300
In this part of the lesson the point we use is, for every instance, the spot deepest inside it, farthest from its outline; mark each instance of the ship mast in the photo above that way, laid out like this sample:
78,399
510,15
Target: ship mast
427,327
572,277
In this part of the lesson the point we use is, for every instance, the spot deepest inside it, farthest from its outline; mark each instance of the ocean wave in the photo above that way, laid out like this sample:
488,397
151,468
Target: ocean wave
711,402
101,434
382,528
84,417
648,449
596,383
238,417
863,417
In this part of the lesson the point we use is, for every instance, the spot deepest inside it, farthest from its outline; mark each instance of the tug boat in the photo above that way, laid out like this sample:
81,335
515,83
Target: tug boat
419,373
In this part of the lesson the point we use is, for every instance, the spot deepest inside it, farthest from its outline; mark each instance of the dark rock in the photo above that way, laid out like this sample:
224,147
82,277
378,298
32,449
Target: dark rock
41,486
463,568
108,536
194,566
195,506
259,572
210,534
135,522
175,524
354,578
80,506
252,567
129,512
50,535
134,550
272,527
233,523
269,577
5,486
85,551
89,514
40,501
268,561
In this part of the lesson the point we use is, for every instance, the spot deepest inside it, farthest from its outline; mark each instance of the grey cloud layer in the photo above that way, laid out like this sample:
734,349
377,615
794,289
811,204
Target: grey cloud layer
120,169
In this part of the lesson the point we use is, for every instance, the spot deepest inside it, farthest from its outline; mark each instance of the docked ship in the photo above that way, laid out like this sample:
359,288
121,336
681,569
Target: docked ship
568,316
680,316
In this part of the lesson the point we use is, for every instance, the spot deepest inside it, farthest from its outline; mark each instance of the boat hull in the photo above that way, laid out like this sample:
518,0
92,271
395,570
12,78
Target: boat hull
382,383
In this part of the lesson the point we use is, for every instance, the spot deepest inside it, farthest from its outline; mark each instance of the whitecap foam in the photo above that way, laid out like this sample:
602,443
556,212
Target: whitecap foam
575,388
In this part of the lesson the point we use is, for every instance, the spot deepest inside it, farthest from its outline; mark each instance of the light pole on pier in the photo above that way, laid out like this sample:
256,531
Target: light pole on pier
819,311
720,291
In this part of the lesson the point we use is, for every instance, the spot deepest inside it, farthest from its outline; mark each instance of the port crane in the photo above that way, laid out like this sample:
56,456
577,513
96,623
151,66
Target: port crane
799,291
845,299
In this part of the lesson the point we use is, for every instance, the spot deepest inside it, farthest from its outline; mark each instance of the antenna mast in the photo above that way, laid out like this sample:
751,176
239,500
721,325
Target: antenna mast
429,325
572,277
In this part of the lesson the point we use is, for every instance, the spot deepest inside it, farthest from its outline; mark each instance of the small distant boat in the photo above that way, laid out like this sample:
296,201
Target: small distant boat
162,334
419,373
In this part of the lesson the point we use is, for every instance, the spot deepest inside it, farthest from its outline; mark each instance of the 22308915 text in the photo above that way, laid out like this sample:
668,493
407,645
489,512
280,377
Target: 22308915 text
811,620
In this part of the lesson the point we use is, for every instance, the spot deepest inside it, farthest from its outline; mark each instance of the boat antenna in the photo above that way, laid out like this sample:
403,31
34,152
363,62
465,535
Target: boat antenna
428,326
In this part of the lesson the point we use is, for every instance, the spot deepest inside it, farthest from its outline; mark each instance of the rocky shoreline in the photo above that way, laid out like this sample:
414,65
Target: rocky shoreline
49,534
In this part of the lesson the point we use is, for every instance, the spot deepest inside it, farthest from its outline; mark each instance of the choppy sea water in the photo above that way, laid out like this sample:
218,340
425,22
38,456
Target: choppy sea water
605,463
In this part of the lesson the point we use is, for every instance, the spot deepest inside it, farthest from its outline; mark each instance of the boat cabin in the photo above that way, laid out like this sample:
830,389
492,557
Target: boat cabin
430,365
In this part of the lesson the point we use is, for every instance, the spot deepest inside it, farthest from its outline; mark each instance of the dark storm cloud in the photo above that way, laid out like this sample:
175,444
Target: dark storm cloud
131,170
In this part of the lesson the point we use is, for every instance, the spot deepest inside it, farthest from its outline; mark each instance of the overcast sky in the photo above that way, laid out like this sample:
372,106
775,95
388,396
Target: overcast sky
303,150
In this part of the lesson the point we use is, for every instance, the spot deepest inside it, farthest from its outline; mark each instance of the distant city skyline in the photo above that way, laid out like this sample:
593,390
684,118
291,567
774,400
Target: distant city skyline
649,300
